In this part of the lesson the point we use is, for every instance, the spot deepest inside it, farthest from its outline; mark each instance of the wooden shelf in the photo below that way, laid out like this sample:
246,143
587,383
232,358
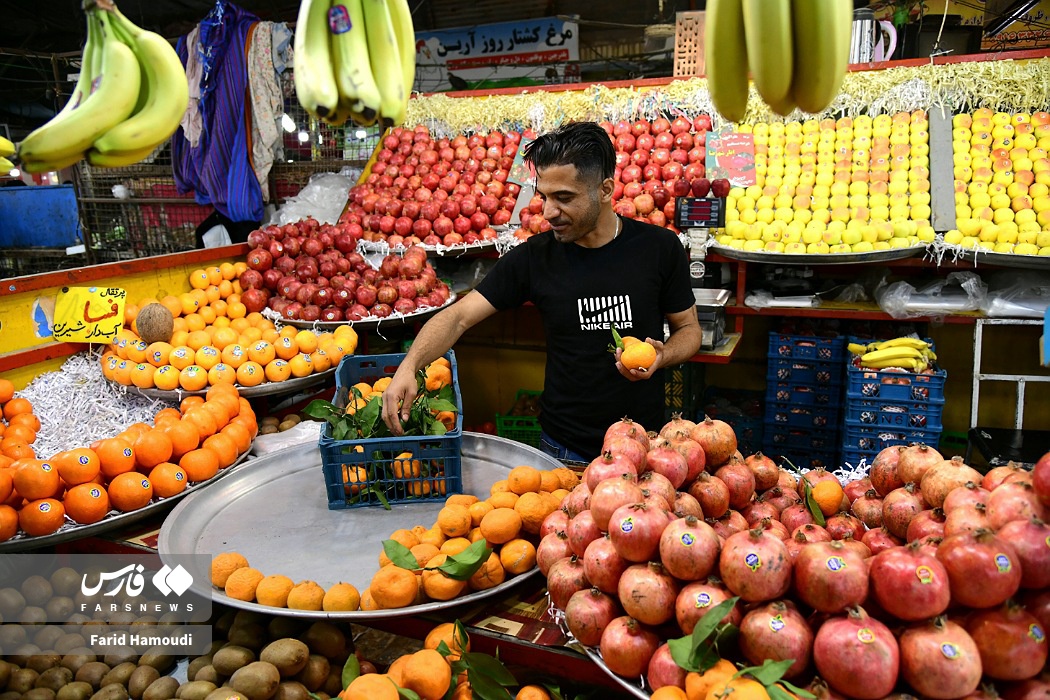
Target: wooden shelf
722,354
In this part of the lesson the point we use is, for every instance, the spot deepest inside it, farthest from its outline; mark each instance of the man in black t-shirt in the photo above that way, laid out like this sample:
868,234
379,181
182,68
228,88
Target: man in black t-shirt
593,270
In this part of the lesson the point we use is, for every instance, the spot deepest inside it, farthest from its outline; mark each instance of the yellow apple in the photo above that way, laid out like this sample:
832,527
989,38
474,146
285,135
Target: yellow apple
1006,234
962,121
986,245
979,199
926,234
1026,249
881,245
1017,189
774,247
748,216
1045,250
819,248
919,198
953,237
795,248
1000,201
754,245
962,211
732,215
1003,248
989,233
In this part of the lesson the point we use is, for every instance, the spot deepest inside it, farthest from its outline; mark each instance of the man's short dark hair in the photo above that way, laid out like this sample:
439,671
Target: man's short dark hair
583,144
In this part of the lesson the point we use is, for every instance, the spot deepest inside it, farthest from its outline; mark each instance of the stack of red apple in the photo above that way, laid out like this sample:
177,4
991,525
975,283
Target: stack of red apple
448,192
311,272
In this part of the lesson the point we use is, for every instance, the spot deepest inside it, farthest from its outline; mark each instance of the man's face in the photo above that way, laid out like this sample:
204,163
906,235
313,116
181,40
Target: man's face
570,203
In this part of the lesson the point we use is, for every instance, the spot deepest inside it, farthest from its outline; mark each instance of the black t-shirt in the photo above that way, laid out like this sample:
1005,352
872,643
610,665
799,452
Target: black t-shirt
631,282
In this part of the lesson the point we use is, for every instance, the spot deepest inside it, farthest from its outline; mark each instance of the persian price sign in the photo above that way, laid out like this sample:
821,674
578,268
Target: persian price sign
88,314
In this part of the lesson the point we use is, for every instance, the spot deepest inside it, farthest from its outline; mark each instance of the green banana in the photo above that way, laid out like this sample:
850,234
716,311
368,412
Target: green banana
47,166
315,83
353,69
108,105
822,28
405,32
6,148
385,57
770,51
167,89
725,56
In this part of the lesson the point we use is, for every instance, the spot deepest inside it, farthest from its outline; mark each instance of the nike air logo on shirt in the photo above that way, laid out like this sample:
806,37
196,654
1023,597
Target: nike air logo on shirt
600,313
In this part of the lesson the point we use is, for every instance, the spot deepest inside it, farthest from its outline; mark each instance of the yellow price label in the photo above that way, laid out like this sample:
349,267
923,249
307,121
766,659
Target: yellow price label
89,314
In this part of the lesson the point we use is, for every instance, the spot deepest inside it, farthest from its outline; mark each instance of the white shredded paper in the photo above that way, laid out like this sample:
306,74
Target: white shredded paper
76,405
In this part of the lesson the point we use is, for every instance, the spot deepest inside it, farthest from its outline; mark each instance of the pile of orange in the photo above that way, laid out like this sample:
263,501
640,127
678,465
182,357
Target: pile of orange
438,375
508,520
18,425
125,472
216,341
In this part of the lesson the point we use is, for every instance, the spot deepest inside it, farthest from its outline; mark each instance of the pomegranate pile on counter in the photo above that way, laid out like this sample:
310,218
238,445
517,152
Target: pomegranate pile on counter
925,577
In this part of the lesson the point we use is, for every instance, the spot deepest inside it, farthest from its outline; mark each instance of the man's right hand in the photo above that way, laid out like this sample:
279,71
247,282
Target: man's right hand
397,400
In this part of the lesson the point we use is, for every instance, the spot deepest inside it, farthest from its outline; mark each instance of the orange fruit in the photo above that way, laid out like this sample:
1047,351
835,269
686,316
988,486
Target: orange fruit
234,355
179,336
219,412
501,525
524,479
115,456
142,375
78,466
517,556
225,395
277,371
7,484
371,686
8,522
227,270
240,436
286,347
172,304
130,491
182,357
188,304
214,274
454,520
640,356
436,584
538,692
199,279
21,432
262,352
166,414
16,406
86,503
222,373
166,378
254,318
223,337
224,447
193,378
200,465
236,309
225,289
184,437
41,517
16,449
137,350
195,324
307,341
157,354
207,357
203,420
427,673
168,479
207,315
190,402
152,448
35,478
301,365
828,495
7,390
251,374
394,587
321,360
122,373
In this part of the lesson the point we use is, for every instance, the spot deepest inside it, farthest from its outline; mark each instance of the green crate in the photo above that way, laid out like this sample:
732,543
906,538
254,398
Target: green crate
524,429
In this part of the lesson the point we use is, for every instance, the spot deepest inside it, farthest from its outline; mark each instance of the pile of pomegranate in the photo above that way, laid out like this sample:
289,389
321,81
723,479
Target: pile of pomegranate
931,577
312,272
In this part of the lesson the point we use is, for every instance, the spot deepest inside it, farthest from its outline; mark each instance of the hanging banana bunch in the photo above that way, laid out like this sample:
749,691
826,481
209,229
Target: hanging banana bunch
797,52
355,60
129,99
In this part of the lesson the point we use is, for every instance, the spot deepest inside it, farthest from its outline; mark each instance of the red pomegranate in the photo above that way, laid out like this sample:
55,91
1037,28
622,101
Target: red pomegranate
607,466
603,566
777,631
868,509
1031,541
581,531
967,494
1041,479
647,593
677,425
857,656
689,549
741,483
755,565
711,493
915,460
766,472
627,646
796,516
899,507
908,583
1011,642
966,518
880,539
829,577
926,523
625,427
939,659
635,531
1013,501
588,613
664,459
943,478
983,569
717,438
565,578
663,670
551,549
883,473
610,494
696,599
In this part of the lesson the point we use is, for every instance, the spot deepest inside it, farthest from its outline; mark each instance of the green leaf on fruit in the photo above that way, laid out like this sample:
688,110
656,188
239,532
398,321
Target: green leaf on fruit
698,652
351,670
462,640
811,504
768,673
488,667
486,688
800,692
443,649
463,565
400,555
406,693
617,340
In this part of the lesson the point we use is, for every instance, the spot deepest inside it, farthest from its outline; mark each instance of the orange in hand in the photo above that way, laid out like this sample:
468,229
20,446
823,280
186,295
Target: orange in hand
639,356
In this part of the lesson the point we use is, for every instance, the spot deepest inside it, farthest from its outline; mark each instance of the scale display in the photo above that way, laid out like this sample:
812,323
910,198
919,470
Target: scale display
700,212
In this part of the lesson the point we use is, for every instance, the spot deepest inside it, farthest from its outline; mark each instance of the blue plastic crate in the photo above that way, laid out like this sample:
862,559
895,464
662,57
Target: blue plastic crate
778,438
892,386
812,372
883,413
804,394
806,347
870,438
808,459
854,457
433,471
801,416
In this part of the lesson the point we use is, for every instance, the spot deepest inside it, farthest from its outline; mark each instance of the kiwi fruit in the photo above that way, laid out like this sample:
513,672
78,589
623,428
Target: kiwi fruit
77,658
39,694
325,639
251,635
23,680
59,608
21,655
65,581
10,695
281,627
291,690
12,636
119,674
113,691
48,636
257,681
225,693
163,688
32,615
288,655
196,665
6,670
195,690
92,673
37,590
75,691
54,678
42,662
155,323
223,623
230,659
208,673
315,673
269,429
334,684
157,659
11,603
140,679
121,656
70,643
122,619
270,420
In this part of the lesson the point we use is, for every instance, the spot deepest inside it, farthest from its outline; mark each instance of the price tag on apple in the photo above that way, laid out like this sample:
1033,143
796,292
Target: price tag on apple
88,314
700,212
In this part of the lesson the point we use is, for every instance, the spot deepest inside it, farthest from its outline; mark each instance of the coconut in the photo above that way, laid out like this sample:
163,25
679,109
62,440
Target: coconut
155,324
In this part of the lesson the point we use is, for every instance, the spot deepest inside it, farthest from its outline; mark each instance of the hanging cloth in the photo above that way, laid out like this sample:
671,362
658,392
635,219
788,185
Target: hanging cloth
191,121
267,104
218,169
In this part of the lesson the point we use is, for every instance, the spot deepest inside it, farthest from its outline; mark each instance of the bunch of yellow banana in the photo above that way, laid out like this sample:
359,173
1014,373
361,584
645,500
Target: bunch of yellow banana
129,98
797,51
906,353
355,59
6,149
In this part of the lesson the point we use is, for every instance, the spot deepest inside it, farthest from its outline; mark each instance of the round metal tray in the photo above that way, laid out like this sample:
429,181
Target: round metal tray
433,251
249,392
278,518
634,689
987,257
371,323
876,256
71,531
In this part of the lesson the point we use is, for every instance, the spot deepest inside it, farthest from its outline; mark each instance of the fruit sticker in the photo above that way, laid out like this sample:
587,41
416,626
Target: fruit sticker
777,623
46,467
703,600
44,507
924,574
865,635
950,650
835,564
627,524
1002,562
95,493
753,561
338,19
144,483
688,539
1036,633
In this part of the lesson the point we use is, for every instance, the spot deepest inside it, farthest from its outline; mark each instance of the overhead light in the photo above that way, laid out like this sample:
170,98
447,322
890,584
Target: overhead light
360,133
303,137
287,123
1010,15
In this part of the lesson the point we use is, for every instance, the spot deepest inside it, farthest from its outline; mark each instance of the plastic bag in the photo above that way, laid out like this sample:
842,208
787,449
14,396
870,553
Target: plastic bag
761,299
323,198
960,291
303,432
852,293
1018,294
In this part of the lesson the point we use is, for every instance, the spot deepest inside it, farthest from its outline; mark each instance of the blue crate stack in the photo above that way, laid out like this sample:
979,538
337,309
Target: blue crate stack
885,408
804,383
